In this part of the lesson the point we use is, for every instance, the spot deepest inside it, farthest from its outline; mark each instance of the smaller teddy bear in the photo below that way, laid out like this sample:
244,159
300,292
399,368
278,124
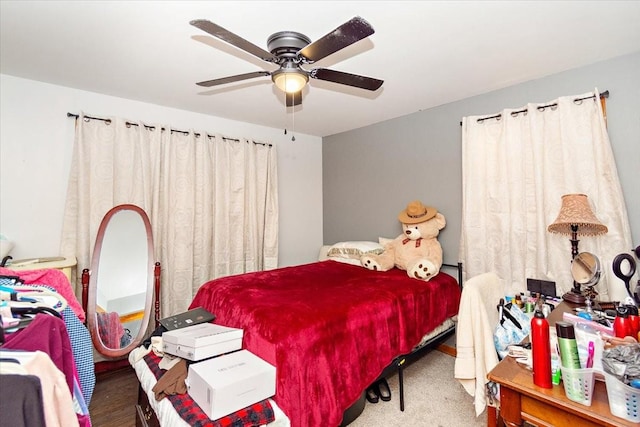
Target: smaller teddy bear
417,250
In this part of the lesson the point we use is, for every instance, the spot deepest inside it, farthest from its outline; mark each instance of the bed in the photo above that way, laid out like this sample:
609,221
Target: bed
331,328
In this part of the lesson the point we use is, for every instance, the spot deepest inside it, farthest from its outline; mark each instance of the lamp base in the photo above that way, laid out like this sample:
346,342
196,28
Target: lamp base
574,297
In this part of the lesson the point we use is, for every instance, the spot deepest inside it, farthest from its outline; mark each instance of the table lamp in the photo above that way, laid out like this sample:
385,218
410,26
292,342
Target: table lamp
576,219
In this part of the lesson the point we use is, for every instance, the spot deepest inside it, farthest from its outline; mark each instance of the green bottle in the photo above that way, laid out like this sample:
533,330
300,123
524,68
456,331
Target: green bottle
567,345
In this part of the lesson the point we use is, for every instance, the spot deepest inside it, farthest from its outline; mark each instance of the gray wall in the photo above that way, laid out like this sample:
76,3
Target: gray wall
370,174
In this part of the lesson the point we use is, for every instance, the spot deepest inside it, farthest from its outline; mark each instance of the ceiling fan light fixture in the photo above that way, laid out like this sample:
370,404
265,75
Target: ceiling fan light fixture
290,81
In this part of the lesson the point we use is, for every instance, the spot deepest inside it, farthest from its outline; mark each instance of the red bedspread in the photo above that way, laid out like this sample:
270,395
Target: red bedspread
329,328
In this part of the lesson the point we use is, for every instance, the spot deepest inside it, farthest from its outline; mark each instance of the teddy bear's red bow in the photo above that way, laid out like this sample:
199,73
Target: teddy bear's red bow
407,240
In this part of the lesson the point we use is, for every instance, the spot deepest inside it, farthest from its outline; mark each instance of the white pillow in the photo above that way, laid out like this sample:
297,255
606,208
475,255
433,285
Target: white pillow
346,260
324,257
354,250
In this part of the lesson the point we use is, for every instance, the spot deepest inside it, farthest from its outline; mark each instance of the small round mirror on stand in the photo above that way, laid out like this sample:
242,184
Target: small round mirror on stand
586,271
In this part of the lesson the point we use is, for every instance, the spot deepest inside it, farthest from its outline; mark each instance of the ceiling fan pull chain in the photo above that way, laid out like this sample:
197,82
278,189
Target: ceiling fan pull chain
293,125
285,113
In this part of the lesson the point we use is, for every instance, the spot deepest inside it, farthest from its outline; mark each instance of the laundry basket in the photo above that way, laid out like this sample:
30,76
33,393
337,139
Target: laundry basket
578,384
624,400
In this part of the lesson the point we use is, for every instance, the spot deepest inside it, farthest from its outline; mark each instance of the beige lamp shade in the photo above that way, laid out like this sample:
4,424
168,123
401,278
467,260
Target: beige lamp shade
575,211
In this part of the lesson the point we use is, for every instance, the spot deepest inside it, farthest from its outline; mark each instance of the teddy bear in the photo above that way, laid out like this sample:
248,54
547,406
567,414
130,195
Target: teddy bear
417,249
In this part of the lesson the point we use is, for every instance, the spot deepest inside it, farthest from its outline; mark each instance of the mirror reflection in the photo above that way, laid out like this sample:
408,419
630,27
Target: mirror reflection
122,279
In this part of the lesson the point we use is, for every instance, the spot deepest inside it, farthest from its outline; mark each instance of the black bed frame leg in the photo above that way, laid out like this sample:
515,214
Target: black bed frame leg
401,387
401,382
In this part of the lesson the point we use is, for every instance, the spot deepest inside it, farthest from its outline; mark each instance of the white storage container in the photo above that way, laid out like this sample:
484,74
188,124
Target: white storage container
202,341
225,384
624,400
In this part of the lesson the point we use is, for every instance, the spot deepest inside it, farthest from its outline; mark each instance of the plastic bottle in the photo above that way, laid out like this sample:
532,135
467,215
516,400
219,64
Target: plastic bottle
621,324
634,320
541,350
568,345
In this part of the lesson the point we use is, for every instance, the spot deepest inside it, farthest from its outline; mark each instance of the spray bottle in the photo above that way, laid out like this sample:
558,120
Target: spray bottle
541,350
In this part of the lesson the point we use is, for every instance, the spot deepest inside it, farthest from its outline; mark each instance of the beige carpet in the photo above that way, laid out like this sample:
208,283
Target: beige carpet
432,398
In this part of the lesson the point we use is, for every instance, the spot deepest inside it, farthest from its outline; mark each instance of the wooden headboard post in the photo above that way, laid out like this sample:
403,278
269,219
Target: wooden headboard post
85,290
156,282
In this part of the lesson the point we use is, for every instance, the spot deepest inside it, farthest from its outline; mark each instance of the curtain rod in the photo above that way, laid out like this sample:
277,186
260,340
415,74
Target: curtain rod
184,132
604,94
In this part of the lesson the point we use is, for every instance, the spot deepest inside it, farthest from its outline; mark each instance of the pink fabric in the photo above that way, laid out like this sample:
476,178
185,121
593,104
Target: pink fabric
329,328
110,329
53,278
48,334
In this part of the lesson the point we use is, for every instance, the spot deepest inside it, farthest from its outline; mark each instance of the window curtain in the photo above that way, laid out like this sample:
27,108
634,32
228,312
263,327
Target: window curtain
516,167
212,201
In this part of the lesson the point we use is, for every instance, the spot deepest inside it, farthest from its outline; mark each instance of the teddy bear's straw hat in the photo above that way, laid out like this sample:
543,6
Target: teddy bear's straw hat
416,213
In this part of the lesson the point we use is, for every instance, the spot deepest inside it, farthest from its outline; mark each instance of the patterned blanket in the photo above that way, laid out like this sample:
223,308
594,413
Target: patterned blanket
255,415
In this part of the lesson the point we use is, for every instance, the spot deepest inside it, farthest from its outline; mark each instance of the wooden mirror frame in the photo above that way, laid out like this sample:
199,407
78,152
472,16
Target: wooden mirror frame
89,287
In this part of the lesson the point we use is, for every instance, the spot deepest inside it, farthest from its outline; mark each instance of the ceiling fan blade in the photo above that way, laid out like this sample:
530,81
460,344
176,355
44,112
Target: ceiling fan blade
231,79
233,39
294,99
348,33
348,79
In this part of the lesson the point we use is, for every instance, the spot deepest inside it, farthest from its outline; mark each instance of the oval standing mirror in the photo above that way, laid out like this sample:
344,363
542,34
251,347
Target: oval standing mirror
121,282
586,270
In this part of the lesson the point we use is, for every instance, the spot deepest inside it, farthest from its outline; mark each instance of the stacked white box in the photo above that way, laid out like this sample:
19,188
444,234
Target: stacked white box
201,341
225,384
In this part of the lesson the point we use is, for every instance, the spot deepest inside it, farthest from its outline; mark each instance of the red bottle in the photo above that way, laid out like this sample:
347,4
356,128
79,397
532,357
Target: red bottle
622,324
541,350
634,321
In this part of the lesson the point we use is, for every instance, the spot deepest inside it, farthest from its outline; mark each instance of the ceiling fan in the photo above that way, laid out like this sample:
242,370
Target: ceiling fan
290,50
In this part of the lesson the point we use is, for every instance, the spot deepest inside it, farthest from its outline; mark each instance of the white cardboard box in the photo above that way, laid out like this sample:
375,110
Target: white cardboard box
225,384
201,341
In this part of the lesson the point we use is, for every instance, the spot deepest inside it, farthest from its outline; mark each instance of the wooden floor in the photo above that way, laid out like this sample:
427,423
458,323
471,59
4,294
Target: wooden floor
114,398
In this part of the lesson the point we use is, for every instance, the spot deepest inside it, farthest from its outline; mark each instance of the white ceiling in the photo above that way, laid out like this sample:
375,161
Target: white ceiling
428,53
